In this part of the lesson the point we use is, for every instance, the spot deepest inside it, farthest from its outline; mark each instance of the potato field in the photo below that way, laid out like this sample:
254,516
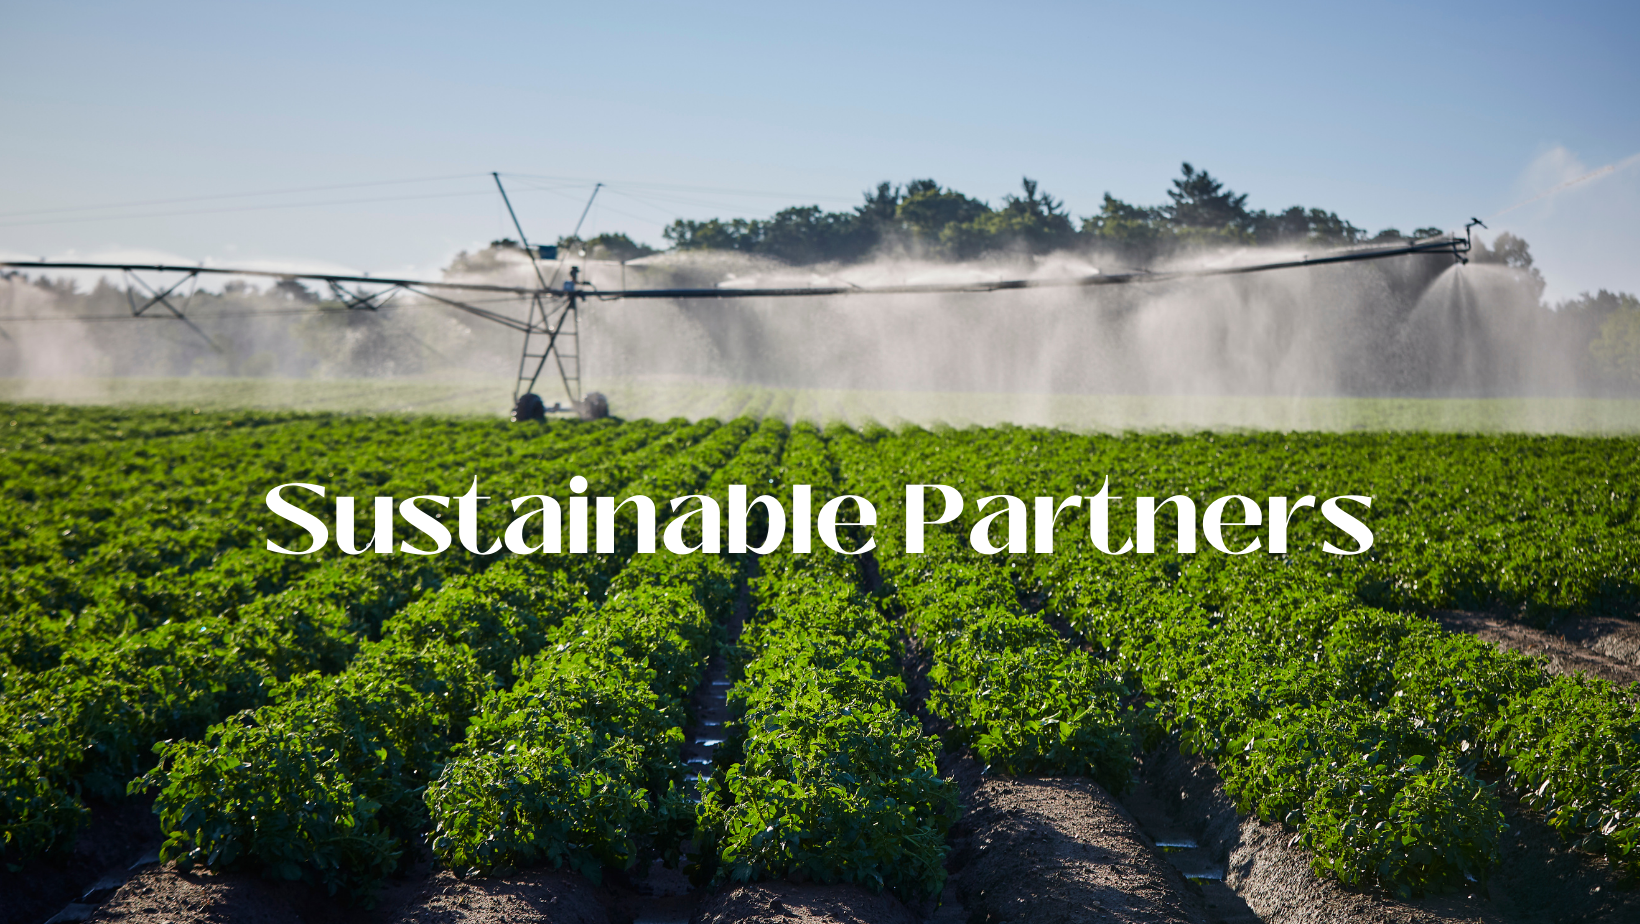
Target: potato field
811,735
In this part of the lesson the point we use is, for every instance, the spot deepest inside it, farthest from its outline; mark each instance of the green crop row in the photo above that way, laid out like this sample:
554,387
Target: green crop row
833,781
105,540
349,827
1361,729
87,724
578,764
1572,748
1368,731
325,781
1011,688
824,776
756,464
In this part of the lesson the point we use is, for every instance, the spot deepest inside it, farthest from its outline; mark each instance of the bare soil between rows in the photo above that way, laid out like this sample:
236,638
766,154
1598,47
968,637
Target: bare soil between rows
119,835
1599,646
1058,851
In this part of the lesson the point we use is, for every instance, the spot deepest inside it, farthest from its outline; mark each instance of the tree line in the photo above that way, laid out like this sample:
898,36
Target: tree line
939,222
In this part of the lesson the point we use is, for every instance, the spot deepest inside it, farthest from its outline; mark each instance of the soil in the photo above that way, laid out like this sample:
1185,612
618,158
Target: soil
793,903
1055,851
536,897
119,835
1595,645
157,895
1614,638
1179,845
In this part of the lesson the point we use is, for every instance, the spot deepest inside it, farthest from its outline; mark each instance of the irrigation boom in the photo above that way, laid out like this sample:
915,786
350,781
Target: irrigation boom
1449,245
554,311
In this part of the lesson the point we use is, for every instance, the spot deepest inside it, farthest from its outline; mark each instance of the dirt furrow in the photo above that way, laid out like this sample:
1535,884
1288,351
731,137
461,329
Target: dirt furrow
1596,645
805,903
1056,851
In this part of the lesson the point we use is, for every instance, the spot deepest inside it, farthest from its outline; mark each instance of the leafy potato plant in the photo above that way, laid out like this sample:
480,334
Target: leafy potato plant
370,737
578,764
833,782
322,783
1573,749
1013,689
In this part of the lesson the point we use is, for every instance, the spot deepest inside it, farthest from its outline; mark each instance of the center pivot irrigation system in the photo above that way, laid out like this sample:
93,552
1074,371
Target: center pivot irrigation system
551,326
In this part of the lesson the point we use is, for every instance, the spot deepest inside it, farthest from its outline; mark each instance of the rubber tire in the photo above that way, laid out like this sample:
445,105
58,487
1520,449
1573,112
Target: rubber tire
529,407
593,407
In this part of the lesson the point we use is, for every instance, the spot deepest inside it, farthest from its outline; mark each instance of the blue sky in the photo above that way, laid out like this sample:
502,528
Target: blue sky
1390,114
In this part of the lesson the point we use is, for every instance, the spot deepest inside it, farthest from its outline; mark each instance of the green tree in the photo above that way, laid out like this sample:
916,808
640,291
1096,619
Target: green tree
1616,350
1512,252
1327,228
800,234
1200,201
927,210
805,234
881,206
714,234
1297,224
1131,228
606,246
1282,227
1035,222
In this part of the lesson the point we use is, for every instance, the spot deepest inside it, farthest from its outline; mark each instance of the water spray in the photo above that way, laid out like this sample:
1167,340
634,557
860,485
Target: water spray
551,327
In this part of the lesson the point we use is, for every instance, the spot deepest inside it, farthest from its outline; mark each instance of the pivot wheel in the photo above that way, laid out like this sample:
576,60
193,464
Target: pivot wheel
529,407
593,407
